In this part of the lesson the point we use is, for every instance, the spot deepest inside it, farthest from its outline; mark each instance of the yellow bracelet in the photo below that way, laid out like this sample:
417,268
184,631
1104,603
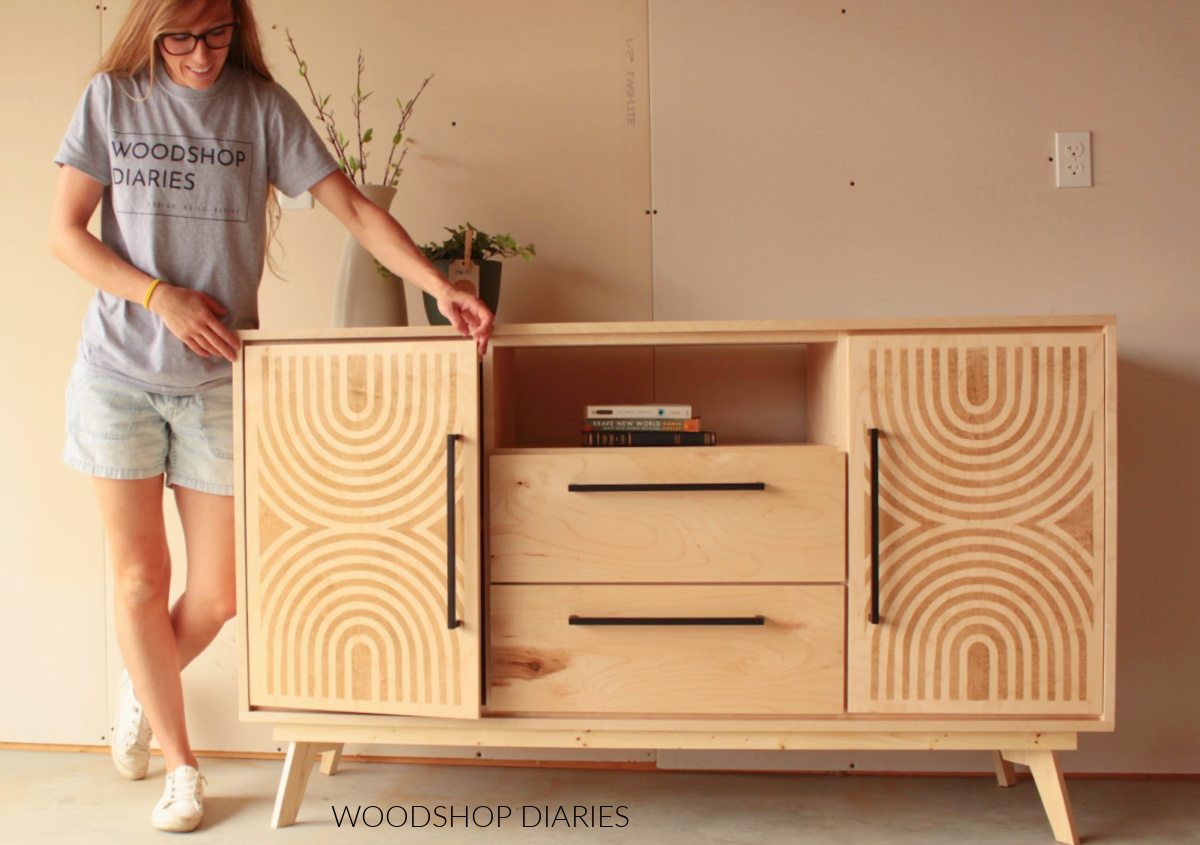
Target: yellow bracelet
149,291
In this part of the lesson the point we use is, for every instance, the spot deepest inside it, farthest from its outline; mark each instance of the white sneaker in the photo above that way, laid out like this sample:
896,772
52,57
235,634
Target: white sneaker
182,805
131,737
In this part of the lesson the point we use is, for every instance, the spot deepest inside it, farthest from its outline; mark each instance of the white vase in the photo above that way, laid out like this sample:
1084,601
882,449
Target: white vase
362,296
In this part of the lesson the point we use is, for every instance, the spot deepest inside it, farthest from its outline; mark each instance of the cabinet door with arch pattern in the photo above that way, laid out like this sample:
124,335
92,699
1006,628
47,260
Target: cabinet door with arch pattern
350,606
991,483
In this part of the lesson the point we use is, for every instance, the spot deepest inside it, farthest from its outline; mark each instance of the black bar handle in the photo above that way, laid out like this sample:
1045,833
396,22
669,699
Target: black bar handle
874,618
666,620
645,488
452,620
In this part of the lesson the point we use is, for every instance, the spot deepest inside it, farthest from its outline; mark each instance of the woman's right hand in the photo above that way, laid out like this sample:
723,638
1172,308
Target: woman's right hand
194,318
191,316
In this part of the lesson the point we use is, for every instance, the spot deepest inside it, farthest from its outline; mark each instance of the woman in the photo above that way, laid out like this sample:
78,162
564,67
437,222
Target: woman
179,136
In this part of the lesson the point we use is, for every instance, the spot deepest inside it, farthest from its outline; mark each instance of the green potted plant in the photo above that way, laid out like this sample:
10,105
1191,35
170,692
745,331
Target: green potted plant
486,251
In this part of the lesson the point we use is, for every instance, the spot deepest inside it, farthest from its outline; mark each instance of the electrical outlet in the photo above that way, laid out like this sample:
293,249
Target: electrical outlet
1073,159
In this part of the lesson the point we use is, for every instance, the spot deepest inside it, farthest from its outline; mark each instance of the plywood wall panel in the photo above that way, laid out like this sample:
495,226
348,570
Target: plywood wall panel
536,123
52,610
943,116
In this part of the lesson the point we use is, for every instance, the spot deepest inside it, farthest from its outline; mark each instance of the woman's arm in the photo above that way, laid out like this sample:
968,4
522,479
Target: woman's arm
386,239
190,315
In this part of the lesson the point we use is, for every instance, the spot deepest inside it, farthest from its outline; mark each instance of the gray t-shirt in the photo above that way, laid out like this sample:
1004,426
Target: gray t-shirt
186,175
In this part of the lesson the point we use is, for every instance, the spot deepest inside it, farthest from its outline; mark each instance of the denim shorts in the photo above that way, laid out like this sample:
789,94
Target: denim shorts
115,430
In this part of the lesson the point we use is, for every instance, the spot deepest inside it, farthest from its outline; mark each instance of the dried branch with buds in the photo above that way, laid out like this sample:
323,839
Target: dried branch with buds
355,167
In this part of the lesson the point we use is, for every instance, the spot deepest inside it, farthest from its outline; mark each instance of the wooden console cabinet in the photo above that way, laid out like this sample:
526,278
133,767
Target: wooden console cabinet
906,538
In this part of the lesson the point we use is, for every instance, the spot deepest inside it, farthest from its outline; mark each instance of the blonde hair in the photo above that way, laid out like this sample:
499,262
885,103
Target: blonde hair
134,50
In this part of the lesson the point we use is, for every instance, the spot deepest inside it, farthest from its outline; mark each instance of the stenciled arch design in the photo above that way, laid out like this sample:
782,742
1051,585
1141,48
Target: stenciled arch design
363,457
349,506
1039,620
951,464
990,480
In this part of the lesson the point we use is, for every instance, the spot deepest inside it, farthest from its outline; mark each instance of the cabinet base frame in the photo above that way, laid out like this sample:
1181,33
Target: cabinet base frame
1035,750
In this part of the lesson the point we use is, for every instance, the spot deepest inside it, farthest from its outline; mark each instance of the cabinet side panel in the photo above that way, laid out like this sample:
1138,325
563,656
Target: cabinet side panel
1110,524
827,393
239,525
499,405
991,524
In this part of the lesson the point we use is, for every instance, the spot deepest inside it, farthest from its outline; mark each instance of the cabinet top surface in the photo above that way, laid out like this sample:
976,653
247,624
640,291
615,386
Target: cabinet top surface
796,331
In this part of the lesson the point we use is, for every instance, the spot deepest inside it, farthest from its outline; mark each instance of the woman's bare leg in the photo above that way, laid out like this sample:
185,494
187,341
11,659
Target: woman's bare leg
156,643
133,519
209,599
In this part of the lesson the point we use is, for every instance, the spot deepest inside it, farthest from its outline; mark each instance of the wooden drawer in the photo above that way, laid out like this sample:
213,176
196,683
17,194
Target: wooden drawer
791,530
791,664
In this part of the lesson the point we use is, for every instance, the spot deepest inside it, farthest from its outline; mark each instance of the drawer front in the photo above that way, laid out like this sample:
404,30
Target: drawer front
790,664
793,529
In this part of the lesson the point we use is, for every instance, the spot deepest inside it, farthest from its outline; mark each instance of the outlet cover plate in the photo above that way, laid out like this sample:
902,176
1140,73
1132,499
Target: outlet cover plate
1073,159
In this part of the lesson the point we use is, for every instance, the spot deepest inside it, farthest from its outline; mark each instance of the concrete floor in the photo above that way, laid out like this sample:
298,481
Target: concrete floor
54,797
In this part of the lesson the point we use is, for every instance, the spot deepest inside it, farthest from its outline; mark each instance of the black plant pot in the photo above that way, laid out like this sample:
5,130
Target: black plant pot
489,289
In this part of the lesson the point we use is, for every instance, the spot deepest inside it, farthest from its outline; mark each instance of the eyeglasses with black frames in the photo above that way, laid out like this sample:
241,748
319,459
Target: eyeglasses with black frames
182,43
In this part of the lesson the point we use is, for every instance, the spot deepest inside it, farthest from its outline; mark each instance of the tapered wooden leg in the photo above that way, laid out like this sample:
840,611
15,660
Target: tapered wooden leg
1053,789
1006,775
296,769
330,759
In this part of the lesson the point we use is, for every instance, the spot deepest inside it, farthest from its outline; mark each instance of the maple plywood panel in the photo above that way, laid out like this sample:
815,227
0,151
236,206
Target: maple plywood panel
747,393
793,530
1110,523
499,408
512,83
346,527
54,612
826,400
550,387
743,393
791,664
992,523
745,734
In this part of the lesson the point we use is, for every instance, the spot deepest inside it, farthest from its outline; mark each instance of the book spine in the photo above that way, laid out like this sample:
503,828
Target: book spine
621,424
673,412
649,438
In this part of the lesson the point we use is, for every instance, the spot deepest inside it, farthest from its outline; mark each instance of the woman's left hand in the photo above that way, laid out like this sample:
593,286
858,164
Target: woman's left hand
382,236
469,316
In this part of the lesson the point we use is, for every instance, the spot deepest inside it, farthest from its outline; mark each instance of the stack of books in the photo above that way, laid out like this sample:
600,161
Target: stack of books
644,425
